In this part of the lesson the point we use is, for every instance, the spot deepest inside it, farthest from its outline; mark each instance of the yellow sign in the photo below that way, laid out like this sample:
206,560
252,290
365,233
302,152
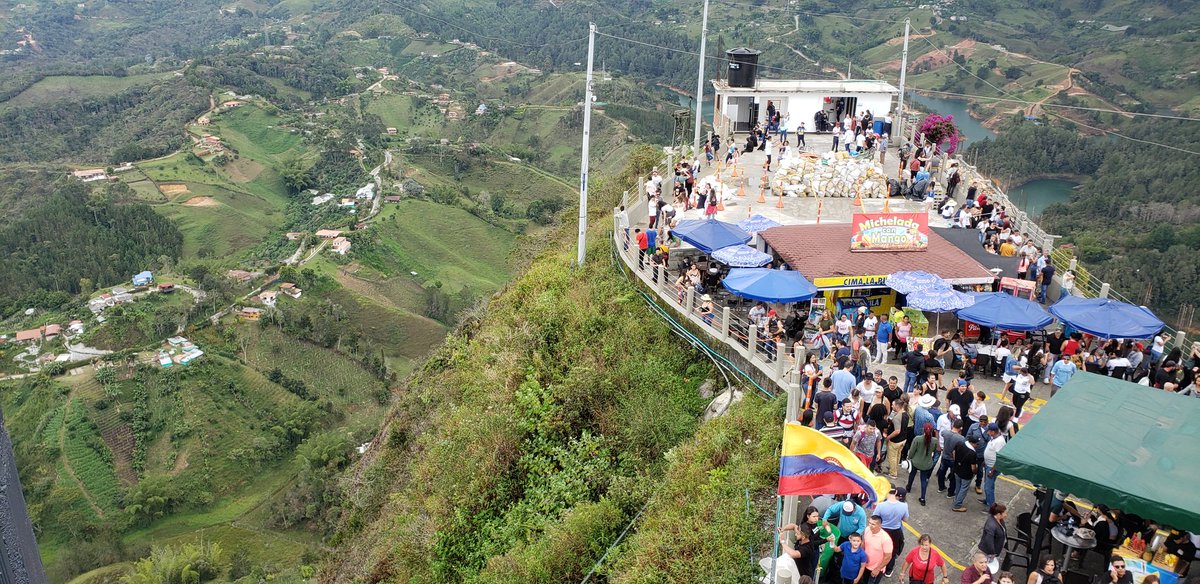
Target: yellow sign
850,282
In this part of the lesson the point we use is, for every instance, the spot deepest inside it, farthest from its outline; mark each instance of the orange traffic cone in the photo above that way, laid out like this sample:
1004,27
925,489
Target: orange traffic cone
858,199
779,205
819,211
735,172
721,202
742,188
762,194
886,208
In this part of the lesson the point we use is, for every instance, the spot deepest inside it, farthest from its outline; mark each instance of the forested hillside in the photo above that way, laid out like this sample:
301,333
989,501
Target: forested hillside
536,433
1136,219
67,240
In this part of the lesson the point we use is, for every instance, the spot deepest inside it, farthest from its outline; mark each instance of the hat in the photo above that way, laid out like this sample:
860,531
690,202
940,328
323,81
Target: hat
862,308
1169,364
993,428
706,298
771,312
954,409
901,492
847,507
828,416
926,401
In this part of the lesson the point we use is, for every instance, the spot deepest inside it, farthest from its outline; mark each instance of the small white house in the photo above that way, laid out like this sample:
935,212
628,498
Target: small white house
738,109
367,192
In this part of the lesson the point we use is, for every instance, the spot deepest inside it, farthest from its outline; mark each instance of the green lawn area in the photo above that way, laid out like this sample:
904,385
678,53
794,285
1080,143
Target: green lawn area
442,243
63,87
255,132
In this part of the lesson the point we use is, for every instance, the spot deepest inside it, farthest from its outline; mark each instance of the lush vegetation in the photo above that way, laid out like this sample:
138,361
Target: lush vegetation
545,425
1134,221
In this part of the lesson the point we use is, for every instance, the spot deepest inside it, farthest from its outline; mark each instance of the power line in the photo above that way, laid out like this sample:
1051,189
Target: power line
1057,105
714,57
412,10
793,11
1060,116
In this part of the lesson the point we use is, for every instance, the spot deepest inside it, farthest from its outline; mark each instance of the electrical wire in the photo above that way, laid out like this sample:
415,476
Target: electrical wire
1057,105
714,57
794,11
412,10
1060,116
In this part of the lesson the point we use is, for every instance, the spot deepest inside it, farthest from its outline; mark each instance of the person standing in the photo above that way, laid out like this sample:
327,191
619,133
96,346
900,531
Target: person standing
965,467
879,547
883,339
800,135
899,423
922,562
893,512
995,535
854,560
1022,384
1047,277
851,518
883,146
920,454
623,224
1061,373
914,366
977,434
643,243
996,442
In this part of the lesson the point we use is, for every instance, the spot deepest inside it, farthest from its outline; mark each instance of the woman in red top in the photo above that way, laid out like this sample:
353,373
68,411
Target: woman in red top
922,562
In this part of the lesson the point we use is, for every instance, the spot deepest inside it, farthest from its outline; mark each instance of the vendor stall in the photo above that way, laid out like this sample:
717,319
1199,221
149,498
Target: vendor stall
1107,318
1145,464
823,254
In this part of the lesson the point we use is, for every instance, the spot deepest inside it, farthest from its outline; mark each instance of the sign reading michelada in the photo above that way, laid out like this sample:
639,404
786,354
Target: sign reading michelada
889,232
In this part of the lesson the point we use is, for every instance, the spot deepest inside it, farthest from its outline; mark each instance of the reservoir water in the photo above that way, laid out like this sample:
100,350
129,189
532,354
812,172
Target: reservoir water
1032,197
967,126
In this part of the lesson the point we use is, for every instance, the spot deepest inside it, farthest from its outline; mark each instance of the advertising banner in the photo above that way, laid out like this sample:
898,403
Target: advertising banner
890,232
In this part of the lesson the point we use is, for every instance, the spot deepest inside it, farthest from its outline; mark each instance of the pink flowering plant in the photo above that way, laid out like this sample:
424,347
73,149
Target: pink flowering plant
941,131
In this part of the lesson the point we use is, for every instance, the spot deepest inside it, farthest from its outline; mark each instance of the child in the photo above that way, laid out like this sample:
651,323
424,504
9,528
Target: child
854,559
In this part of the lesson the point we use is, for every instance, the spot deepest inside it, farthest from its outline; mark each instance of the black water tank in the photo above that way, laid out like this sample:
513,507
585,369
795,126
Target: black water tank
743,66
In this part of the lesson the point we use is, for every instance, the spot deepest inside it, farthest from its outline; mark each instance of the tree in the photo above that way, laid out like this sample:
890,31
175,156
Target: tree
106,375
296,176
1013,72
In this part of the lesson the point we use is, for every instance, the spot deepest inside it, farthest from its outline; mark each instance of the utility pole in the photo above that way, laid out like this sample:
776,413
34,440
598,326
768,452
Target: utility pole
587,137
700,83
903,71
848,64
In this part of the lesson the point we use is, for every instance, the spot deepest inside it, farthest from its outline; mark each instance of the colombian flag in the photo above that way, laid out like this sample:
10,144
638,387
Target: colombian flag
814,464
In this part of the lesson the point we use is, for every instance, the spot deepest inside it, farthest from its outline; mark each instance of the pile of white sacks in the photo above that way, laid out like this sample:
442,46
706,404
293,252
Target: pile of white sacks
830,175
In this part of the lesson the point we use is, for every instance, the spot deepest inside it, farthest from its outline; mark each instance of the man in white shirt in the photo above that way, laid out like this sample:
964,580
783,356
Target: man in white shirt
870,325
623,224
996,442
848,140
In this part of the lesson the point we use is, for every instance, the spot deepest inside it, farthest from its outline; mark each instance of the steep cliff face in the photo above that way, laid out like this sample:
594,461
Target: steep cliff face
528,442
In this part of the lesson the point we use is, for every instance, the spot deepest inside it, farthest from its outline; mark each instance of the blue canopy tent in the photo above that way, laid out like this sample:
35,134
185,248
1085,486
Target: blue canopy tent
709,235
767,285
905,282
1107,318
1002,311
757,223
741,256
939,299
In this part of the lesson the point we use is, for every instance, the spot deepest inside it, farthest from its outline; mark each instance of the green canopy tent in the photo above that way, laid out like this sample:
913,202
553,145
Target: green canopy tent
1110,441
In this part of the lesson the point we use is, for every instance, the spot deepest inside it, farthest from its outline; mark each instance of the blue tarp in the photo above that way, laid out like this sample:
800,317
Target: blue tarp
741,256
939,299
1006,312
905,282
142,278
709,235
757,223
780,286
1107,318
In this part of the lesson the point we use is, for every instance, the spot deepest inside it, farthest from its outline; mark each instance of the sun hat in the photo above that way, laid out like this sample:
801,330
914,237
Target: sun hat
926,401
706,297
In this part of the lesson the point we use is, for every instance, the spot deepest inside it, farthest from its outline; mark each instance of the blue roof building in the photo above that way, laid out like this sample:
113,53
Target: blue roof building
143,278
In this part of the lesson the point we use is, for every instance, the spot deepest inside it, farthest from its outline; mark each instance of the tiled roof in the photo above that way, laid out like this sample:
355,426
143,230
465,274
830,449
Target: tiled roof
823,251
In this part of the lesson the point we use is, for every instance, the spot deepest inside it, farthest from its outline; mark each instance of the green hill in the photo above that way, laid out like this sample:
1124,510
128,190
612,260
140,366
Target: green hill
204,450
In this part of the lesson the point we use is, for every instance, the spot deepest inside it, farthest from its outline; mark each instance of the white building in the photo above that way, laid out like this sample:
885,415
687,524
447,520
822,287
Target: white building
367,192
738,109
